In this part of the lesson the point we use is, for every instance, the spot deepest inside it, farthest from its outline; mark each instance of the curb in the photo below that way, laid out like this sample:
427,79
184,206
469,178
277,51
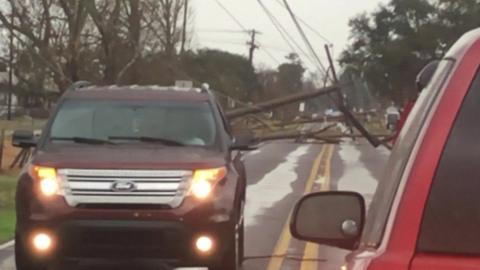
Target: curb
7,245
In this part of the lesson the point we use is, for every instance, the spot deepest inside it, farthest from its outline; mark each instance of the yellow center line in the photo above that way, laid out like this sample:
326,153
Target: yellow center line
311,249
284,241
328,170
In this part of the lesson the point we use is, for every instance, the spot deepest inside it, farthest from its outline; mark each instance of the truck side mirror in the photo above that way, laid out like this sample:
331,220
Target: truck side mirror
24,139
426,74
244,142
330,218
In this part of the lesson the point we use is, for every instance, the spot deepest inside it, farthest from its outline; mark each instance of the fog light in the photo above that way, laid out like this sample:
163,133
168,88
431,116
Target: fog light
42,242
204,244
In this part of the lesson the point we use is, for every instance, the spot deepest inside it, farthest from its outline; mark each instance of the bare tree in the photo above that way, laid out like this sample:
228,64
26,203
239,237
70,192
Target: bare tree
134,18
76,16
103,40
106,16
35,25
168,14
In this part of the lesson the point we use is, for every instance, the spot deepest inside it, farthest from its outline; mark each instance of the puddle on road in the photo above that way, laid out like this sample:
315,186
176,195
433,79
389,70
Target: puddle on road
273,187
356,176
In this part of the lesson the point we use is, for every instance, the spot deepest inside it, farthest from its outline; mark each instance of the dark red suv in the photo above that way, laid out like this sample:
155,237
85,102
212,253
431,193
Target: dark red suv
134,172
426,211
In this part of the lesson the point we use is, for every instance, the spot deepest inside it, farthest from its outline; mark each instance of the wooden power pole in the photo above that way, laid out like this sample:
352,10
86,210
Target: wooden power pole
10,74
185,25
253,45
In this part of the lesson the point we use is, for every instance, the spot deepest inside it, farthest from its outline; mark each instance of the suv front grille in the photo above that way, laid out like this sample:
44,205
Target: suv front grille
127,187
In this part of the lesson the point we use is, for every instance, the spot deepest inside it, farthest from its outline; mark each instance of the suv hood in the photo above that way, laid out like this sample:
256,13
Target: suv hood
128,157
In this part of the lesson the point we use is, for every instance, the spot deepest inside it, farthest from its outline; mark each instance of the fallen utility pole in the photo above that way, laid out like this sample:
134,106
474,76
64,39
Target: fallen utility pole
340,136
261,122
318,120
269,105
293,134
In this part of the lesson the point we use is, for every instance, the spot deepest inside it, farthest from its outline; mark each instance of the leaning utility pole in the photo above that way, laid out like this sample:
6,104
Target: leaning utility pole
10,74
185,24
253,45
340,97
351,121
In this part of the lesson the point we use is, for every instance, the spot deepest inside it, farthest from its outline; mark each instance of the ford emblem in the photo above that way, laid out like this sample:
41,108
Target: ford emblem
123,186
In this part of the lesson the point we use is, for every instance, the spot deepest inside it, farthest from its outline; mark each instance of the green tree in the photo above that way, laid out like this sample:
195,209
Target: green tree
228,73
290,75
456,17
390,45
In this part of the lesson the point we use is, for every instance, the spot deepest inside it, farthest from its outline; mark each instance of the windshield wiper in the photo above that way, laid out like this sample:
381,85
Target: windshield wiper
83,140
149,140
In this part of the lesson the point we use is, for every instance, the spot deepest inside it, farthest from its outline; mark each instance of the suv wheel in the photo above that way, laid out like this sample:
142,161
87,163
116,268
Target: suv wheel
23,259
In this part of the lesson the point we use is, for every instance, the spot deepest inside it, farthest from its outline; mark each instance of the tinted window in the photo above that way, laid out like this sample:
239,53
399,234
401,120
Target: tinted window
452,216
387,188
191,123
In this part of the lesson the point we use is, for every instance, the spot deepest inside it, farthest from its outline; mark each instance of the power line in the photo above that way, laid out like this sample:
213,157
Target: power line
267,52
304,37
263,46
285,34
278,27
240,43
307,24
228,31
231,15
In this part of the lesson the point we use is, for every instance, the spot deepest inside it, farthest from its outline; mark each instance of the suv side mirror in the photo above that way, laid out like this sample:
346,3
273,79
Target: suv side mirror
24,139
245,142
425,75
329,218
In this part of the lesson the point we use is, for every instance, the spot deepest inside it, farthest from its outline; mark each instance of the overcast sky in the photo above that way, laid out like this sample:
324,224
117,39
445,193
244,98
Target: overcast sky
328,17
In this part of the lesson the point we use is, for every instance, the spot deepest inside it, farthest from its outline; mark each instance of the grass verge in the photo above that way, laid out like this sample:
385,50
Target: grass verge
7,207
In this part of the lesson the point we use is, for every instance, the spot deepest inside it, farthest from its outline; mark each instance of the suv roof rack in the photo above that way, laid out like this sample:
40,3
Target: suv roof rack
205,88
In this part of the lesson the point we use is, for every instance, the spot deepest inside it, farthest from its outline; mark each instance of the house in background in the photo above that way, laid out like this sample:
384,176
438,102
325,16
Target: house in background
4,90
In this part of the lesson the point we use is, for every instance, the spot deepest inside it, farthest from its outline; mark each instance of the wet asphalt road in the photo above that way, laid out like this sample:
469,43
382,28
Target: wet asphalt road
279,174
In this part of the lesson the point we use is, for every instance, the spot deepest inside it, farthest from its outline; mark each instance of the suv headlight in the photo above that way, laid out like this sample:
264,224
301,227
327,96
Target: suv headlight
47,180
204,181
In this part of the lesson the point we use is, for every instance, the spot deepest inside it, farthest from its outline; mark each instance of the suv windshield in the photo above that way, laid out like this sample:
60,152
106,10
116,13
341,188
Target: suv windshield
179,123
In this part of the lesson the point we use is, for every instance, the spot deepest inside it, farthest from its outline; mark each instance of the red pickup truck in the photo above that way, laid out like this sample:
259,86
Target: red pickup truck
426,211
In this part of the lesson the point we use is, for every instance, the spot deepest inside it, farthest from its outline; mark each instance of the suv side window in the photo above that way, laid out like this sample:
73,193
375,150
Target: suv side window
451,222
226,124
